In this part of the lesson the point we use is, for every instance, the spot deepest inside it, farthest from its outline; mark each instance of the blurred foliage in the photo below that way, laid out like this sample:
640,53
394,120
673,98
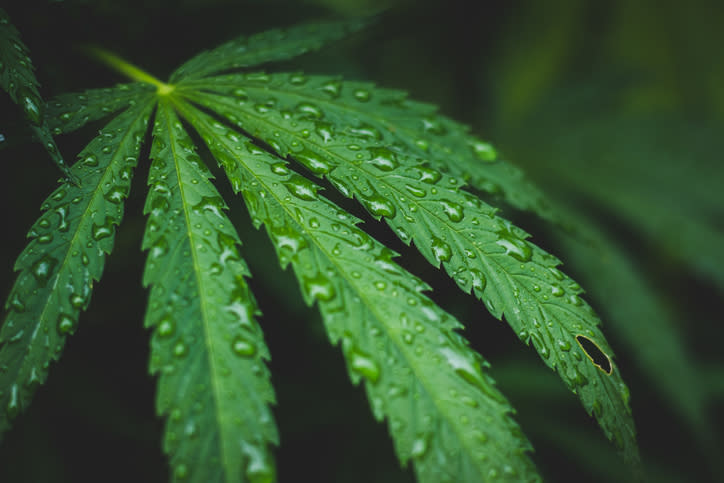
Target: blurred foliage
615,108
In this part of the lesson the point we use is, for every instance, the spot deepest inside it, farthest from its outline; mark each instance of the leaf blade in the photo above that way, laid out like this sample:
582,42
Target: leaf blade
269,46
63,259
435,396
452,228
198,291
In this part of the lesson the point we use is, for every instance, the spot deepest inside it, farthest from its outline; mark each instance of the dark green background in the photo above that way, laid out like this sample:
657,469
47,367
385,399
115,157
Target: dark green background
553,85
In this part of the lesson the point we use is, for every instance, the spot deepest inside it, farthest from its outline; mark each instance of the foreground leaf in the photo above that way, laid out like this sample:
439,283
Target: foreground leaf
444,413
214,387
479,250
65,256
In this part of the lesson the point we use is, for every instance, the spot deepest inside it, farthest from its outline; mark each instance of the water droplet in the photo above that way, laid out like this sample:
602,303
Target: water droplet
484,151
362,364
77,301
91,160
166,327
115,195
557,291
433,126
383,159
280,169
564,345
319,287
103,230
332,88
366,131
514,246
43,268
479,280
210,204
66,324
428,175
313,163
301,187
243,347
181,472
453,210
309,111
441,250
13,407
415,191
378,206
325,130
298,79
362,95
258,468
419,446
180,349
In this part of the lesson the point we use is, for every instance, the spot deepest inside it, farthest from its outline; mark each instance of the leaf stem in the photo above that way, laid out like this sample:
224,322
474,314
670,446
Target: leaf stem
121,65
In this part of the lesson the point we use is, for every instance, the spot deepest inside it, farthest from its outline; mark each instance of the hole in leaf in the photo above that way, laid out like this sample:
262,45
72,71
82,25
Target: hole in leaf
597,356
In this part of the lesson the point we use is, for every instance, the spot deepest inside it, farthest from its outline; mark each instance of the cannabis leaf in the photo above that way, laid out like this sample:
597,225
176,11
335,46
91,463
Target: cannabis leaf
402,162
18,80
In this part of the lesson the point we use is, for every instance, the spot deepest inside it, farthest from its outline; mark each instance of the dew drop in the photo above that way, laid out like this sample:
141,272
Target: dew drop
362,364
383,159
43,268
13,407
484,151
66,324
258,469
428,175
243,347
332,88
441,250
166,327
362,95
180,349
415,191
319,287
104,230
209,204
419,447
479,280
514,246
301,187
313,163
453,210
181,472
309,111
379,206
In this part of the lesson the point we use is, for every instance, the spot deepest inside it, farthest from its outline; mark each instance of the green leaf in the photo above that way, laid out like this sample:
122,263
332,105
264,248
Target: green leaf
214,387
64,258
387,117
479,250
444,412
67,112
269,46
18,80
640,319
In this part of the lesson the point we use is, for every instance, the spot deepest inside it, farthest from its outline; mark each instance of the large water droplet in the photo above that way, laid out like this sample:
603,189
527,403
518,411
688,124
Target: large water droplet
210,204
419,446
362,364
428,175
453,210
332,88
103,230
258,468
514,246
319,287
301,187
383,159
43,268
484,151
314,163
66,324
309,111
441,250
243,347
378,206
166,327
